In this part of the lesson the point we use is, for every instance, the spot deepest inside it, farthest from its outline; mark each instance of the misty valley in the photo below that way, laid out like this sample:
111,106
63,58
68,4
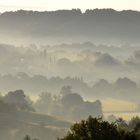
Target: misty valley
70,75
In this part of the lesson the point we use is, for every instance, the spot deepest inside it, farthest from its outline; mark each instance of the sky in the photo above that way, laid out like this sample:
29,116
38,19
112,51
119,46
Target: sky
49,5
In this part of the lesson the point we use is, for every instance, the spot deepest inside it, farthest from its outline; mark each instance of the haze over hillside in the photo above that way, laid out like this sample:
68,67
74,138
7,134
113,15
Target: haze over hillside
70,64
98,25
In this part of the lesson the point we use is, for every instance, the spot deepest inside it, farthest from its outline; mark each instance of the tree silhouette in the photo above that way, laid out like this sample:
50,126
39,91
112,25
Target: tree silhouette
97,129
27,137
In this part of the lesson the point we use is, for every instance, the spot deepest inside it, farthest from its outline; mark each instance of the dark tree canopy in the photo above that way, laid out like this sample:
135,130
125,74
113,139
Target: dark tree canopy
97,129
27,137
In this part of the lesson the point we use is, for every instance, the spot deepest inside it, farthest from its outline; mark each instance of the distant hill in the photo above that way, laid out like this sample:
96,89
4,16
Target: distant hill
16,125
98,25
16,122
19,116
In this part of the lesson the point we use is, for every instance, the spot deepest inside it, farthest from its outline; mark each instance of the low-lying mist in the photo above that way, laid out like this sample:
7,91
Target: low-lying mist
60,67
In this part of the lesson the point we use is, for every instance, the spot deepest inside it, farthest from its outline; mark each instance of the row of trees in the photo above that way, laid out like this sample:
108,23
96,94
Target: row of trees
68,105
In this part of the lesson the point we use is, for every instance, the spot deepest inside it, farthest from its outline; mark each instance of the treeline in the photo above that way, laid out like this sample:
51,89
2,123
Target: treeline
102,23
67,105
122,88
84,60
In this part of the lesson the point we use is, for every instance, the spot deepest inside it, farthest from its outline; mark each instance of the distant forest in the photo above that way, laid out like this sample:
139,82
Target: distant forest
93,71
98,25
122,88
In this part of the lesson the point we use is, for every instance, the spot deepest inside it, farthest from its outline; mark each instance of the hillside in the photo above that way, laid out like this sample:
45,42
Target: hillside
16,125
98,25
